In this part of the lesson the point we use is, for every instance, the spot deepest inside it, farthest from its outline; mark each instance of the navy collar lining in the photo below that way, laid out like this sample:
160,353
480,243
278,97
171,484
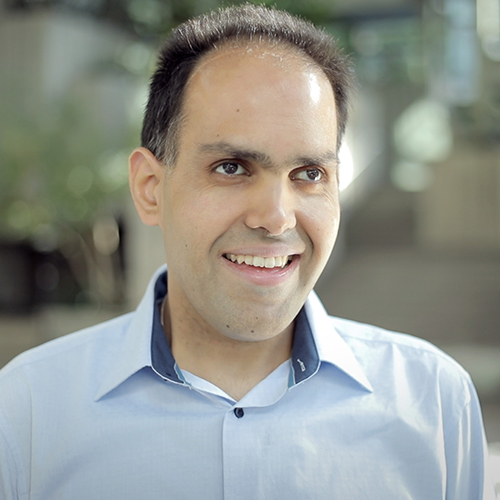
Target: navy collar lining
305,358
162,359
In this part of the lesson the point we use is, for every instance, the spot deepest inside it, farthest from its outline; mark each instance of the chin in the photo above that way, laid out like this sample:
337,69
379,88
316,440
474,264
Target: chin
256,332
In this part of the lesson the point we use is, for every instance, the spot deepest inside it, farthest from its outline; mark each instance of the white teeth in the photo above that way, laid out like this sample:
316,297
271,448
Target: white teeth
256,261
270,261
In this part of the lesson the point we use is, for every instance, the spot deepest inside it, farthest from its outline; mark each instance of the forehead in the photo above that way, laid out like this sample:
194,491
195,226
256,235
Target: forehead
279,53
251,56
259,94
256,71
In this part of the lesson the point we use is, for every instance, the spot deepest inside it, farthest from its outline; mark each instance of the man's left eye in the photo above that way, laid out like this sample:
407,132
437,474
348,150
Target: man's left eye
309,174
230,168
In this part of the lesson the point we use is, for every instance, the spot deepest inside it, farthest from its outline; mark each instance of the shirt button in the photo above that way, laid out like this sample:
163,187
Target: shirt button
239,412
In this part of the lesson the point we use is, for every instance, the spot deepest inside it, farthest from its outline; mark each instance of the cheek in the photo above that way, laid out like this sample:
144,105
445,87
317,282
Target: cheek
185,205
198,218
320,220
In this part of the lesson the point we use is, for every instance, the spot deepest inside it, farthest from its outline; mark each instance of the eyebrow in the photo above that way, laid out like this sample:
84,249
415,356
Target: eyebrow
321,159
227,149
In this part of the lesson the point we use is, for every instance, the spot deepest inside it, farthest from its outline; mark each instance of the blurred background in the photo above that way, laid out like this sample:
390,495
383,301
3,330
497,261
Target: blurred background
419,249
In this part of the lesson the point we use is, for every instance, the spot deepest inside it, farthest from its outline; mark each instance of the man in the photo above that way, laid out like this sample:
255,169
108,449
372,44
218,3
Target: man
230,380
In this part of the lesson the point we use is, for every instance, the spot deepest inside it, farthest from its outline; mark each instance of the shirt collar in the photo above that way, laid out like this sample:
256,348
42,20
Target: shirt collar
162,359
145,344
332,348
133,353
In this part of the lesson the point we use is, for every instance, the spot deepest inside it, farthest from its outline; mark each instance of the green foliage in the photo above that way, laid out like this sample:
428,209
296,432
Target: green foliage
58,167
156,17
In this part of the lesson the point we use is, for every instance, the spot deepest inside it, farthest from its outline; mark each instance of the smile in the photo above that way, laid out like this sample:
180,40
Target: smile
256,261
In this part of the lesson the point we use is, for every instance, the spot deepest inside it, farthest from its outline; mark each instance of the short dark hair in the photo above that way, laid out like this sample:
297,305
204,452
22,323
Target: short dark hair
190,41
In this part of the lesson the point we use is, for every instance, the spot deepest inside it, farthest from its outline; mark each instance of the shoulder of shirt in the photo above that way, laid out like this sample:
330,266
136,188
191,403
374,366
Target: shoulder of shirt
101,338
408,347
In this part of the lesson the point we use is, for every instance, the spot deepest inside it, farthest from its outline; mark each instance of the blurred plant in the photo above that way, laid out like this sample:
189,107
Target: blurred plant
55,169
63,171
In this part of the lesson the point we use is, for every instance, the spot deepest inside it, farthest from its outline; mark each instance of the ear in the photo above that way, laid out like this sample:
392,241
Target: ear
145,179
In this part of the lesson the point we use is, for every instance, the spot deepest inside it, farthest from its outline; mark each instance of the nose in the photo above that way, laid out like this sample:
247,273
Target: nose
271,206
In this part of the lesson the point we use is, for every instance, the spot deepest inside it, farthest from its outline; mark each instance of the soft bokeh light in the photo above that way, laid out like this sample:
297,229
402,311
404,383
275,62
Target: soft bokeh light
423,132
411,176
106,235
346,172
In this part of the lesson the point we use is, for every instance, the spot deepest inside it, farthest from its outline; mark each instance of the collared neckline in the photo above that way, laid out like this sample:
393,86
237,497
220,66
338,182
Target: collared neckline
162,359
145,344
133,353
332,348
305,359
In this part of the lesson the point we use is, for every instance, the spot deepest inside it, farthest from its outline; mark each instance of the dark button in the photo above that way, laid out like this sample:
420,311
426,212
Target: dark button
239,412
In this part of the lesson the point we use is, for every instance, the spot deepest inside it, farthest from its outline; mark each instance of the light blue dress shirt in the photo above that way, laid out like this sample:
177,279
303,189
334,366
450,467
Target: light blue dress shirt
356,413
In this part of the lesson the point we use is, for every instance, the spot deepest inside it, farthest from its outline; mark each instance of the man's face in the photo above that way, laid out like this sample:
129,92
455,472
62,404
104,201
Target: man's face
250,211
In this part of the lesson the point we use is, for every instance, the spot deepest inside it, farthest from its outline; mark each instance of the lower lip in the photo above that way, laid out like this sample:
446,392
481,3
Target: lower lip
263,276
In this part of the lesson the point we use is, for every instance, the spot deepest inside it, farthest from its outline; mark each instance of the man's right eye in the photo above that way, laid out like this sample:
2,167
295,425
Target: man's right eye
231,168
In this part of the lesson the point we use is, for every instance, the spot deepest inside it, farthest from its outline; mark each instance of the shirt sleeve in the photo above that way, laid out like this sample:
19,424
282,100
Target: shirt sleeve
469,476
15,412
8,469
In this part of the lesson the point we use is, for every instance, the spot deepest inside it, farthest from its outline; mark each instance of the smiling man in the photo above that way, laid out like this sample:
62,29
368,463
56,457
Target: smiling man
249,209
230,381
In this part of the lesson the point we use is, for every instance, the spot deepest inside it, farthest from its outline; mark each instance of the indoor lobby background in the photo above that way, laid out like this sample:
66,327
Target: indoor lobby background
419,249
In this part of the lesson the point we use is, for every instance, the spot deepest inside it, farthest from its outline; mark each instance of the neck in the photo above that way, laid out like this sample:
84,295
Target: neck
234,366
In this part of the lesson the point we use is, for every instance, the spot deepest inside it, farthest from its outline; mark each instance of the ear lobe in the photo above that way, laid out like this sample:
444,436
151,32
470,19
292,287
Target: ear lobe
145,175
